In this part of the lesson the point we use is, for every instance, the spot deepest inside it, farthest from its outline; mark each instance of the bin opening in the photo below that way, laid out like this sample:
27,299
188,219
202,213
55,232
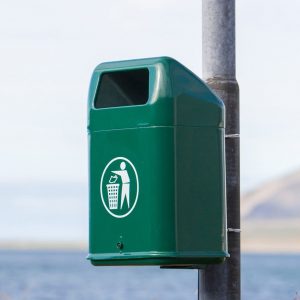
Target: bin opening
123,88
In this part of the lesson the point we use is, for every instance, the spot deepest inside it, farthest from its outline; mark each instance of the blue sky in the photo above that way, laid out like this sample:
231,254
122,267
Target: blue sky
49,49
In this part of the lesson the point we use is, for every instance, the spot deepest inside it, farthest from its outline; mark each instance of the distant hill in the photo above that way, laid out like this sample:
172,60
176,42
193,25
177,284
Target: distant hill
271,216
279,198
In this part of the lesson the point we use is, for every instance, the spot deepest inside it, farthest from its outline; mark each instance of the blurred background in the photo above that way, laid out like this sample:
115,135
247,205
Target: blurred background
48,52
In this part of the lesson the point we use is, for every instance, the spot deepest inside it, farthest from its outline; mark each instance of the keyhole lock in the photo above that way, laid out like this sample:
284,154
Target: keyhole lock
120,245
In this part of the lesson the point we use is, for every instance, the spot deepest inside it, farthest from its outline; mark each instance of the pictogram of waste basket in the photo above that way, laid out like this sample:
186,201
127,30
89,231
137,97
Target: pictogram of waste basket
156,166
113,195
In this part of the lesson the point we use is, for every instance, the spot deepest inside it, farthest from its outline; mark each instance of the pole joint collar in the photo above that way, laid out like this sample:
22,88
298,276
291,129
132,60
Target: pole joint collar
232,136
236,230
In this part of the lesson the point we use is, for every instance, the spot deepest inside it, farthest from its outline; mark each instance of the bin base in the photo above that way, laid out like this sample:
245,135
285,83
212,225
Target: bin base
192,260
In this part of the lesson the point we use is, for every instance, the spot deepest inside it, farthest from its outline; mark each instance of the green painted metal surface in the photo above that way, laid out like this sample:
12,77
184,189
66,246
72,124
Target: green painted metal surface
156,170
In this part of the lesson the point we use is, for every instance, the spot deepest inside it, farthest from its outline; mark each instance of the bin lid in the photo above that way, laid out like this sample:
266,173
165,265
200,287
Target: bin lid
150,92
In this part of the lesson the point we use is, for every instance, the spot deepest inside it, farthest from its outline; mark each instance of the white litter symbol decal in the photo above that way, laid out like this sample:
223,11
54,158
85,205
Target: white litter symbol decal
119,187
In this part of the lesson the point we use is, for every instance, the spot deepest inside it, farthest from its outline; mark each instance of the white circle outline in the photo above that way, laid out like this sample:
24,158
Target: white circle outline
137,187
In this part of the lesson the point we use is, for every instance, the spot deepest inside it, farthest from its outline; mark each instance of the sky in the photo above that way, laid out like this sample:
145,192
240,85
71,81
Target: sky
48,52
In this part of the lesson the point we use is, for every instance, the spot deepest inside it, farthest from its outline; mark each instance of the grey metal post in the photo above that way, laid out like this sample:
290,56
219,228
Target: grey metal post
220,282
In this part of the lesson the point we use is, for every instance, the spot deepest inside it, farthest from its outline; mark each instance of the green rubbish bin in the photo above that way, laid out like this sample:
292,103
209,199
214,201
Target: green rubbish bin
156,166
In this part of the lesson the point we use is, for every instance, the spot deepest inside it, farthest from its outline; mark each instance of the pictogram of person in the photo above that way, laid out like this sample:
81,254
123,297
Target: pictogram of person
125,183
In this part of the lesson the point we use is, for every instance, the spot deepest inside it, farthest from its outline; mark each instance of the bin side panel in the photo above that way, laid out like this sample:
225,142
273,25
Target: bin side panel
200,177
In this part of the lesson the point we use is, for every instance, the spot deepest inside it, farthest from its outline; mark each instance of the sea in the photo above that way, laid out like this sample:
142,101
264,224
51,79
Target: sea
67,275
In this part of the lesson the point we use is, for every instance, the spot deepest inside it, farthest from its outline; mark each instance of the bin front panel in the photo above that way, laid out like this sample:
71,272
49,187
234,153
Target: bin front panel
150,225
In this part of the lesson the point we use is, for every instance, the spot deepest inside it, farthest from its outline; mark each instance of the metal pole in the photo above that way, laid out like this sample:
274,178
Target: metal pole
220,282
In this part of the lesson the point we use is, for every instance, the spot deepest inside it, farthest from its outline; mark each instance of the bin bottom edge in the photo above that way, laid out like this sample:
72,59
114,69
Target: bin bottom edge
165,259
